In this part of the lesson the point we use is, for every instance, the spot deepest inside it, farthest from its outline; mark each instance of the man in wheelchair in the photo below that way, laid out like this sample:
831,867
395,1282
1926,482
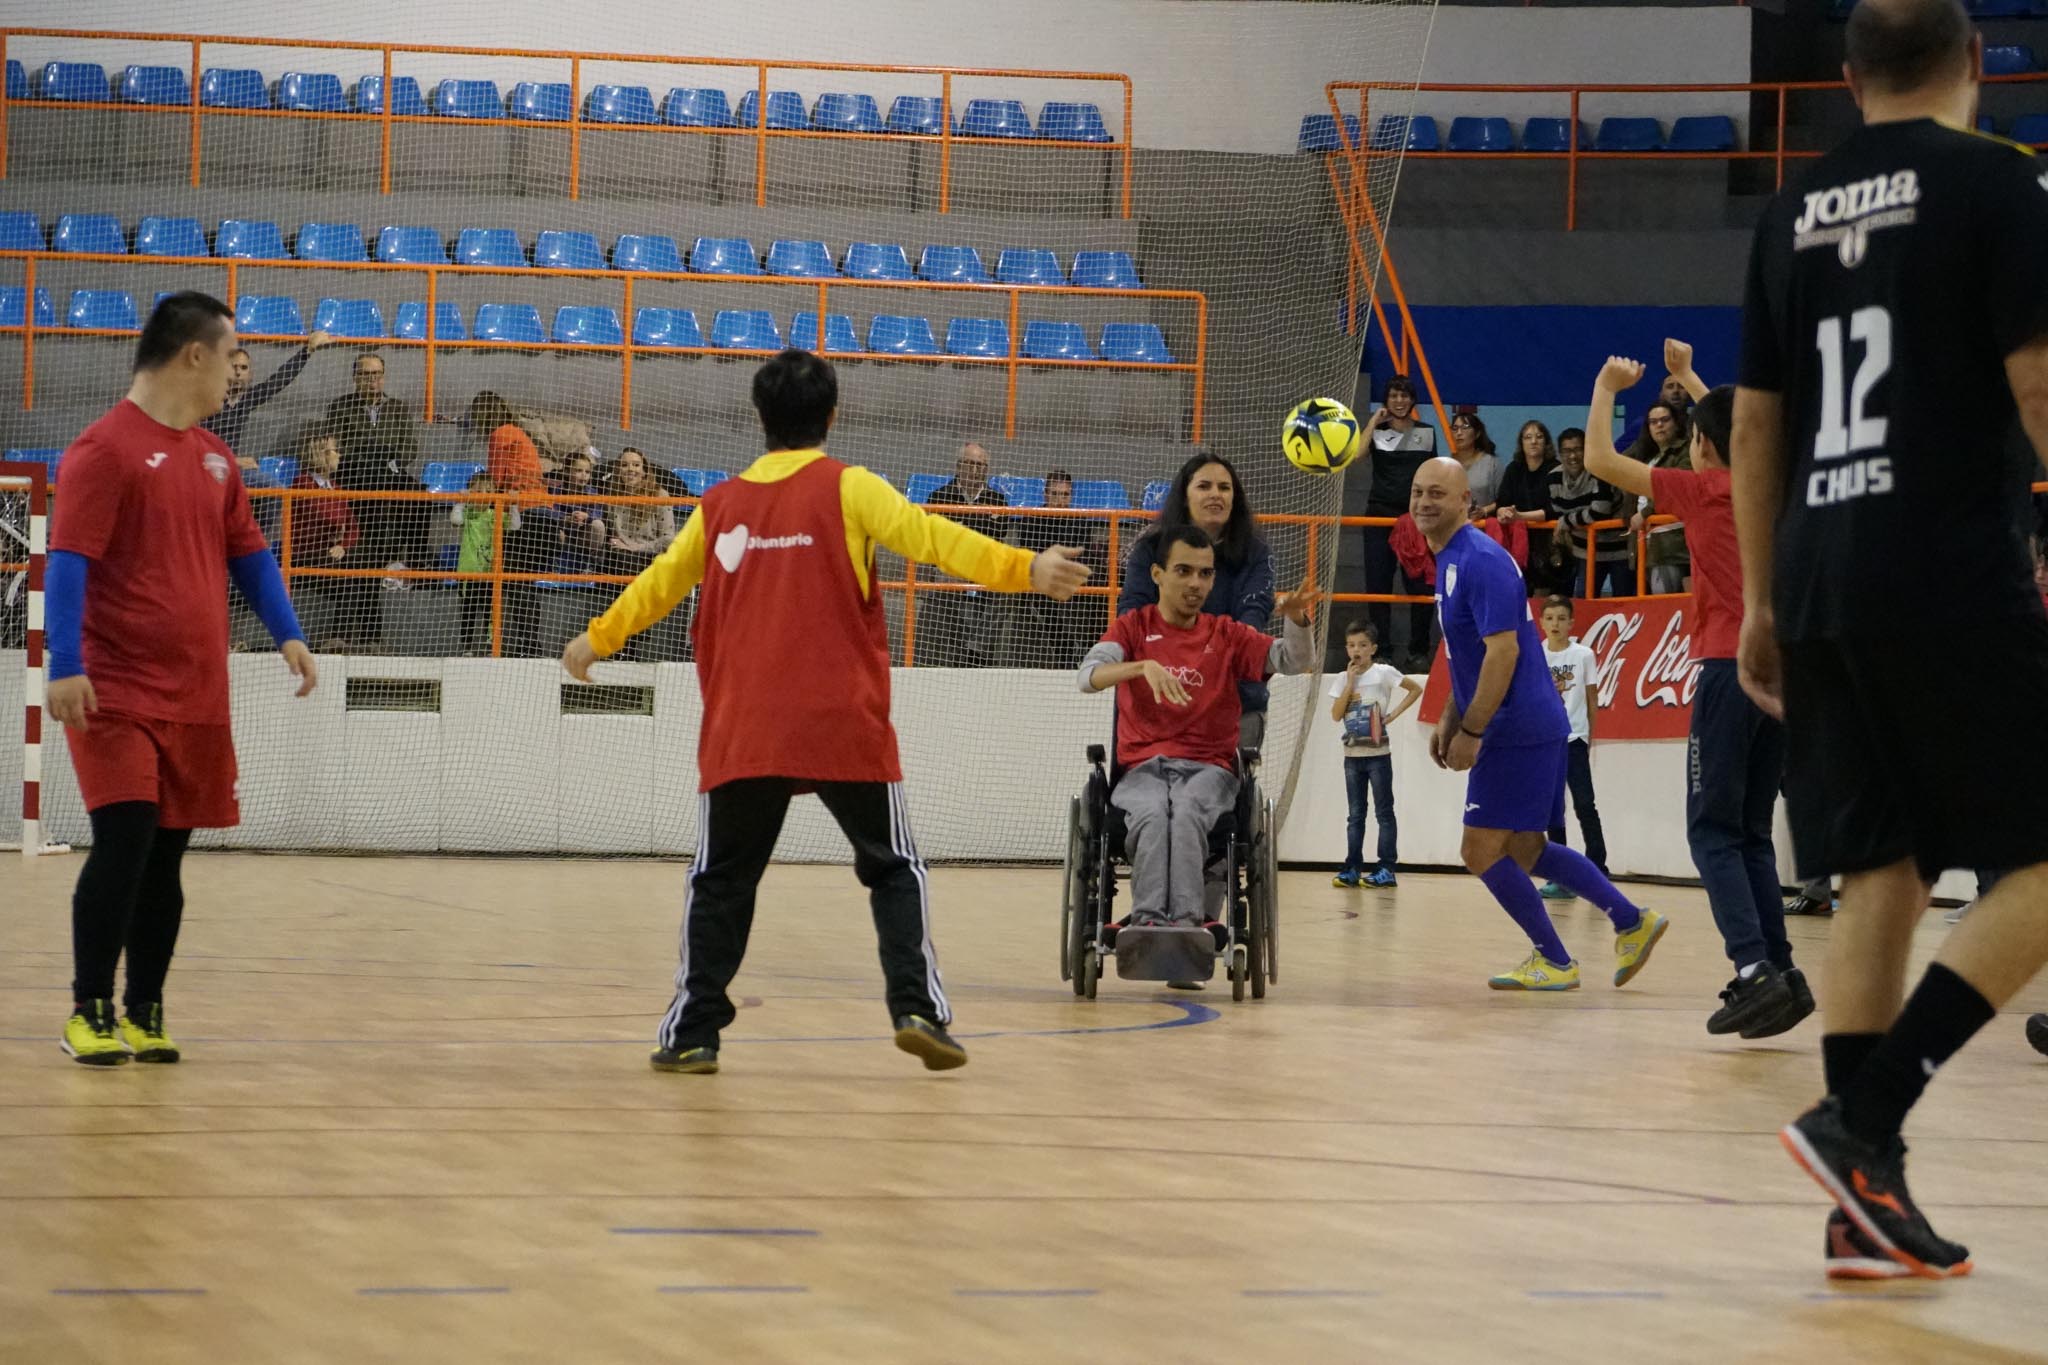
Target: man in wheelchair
1177,721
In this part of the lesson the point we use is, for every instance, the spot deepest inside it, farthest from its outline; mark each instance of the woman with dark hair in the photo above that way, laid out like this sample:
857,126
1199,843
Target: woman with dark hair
1474,449
512,465
1665,442
1206,493
1525,490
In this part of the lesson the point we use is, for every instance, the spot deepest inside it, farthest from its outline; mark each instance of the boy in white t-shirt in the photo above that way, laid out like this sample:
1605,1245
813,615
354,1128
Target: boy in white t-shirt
1362,701
1572,667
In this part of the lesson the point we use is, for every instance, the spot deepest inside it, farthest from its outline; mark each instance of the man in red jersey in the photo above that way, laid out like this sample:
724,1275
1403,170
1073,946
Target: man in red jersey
151,522
786,556
1176,736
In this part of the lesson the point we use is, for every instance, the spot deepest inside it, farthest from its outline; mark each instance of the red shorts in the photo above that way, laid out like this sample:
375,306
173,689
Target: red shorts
186,771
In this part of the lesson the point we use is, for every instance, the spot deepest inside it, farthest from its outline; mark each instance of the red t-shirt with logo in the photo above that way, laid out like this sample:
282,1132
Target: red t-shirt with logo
1700,498
159,512
1210,658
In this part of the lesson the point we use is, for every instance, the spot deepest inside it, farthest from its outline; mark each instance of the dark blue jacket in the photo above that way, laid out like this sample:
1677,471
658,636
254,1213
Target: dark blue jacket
1243,592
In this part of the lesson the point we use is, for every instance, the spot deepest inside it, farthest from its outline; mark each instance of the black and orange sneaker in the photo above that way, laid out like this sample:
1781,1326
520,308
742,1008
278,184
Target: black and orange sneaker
1870,1187
2037,1033
1849,1255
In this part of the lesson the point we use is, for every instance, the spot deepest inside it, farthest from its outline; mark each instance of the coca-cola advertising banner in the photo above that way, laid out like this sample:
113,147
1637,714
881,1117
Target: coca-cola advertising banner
1646,674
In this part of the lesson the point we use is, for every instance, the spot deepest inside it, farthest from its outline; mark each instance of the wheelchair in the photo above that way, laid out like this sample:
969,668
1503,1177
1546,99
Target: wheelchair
1244,844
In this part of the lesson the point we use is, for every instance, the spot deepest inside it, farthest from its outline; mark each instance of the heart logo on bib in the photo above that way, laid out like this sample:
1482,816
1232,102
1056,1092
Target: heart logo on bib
730,547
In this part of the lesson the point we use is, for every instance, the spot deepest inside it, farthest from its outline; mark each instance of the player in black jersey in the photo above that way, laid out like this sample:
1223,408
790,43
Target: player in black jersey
1895,327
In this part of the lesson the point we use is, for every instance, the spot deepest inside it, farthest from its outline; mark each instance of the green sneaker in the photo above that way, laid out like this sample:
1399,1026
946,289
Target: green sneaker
690,1061
146,1037
90,1037
1553,892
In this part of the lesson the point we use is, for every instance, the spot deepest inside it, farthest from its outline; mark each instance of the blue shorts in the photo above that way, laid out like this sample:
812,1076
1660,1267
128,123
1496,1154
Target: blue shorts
1518,787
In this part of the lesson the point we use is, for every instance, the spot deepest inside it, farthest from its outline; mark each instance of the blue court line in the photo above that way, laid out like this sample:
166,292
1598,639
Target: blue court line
1650,1294
385,1291
1025,1293
127,1293
733,1289
1309,1293
713,1232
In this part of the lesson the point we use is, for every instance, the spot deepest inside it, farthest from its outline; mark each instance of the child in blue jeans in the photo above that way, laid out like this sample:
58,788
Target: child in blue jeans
1360,701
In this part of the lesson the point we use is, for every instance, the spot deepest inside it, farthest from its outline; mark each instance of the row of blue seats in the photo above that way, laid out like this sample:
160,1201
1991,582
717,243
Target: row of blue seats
1139,343
551,102
343,243
1694,133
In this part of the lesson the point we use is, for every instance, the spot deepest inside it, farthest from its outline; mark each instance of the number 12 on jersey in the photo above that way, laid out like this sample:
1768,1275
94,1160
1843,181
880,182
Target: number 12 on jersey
1846,427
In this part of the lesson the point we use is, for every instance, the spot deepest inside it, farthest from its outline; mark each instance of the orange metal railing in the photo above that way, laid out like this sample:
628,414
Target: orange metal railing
575,128
819,292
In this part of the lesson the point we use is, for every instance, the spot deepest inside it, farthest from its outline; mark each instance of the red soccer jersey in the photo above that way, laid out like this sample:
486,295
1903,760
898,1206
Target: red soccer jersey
1701,500
159,513
1210,658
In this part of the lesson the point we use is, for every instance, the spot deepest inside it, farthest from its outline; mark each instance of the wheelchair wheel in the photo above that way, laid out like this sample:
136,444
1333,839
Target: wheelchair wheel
1087,971
1239,969
1269,890
1073,887
1258,940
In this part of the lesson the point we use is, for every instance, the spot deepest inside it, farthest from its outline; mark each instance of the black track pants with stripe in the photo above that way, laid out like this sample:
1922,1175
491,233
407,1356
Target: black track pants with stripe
737,825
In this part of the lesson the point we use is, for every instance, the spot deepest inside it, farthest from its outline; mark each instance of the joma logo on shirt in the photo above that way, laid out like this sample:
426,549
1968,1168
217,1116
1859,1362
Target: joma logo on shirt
1844,216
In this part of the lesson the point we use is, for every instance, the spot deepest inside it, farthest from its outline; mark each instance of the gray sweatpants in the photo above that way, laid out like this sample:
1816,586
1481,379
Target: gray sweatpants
1169,806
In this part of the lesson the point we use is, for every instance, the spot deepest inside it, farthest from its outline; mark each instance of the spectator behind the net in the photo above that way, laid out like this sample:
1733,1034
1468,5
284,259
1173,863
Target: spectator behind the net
1398,444
324,533
512,463
1577,500
636,531
1665,443
1525,491
380,450
578,527
244,398
954,627
1056,634
1474,449
1207,493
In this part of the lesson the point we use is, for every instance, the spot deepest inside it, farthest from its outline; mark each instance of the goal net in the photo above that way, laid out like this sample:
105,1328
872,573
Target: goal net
1047,280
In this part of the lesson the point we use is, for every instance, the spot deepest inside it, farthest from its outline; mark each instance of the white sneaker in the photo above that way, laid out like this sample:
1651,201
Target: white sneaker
1955,916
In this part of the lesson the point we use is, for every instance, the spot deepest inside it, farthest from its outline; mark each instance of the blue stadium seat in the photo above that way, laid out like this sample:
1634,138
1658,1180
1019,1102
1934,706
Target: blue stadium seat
922,486
1417,134
489,246
568,251
155,85
108,308
1629,135
331,242
23,231
994,118
925,114
1056,341
224,87
2008,59
1481,135
785,110
17,80
279,469
410,322
2031,129
98,232
1106,270
724,256
1319,134
978,337
85,82
542,101
405,95
589,326
839,333
1101,495
43,455
518,322
877,261
1065,121
697,107
839,113
666,327
636,252
449,476
700,481
1703,133
953,265
1155,494
1021,490
1029,265
889,334
1553,135
269,315
170,237
619,104
468,99
250,239
352,318
808,259
750,329
412,246
311,92
1137,342
13,306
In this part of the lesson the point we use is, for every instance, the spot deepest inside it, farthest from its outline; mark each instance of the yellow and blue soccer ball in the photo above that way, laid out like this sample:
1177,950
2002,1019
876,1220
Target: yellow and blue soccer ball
1320,436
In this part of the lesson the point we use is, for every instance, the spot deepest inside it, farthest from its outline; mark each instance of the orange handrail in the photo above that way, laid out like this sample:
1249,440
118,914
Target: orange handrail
575,126
433,343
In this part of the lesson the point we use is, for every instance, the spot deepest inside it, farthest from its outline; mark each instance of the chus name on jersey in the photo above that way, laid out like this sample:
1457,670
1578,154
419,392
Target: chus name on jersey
1844,216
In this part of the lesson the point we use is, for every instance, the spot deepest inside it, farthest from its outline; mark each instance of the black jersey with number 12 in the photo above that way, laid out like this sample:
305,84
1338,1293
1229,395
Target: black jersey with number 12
1886,287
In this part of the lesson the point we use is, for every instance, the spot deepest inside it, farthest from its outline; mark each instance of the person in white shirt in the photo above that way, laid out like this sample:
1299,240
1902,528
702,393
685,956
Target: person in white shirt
1572,668
1362,701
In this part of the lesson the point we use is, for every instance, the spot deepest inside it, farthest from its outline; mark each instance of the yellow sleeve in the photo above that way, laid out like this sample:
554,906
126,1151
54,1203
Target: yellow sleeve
655,593
884,515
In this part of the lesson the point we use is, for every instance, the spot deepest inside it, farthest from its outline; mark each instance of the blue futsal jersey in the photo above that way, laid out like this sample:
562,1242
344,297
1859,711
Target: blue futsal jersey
1479,592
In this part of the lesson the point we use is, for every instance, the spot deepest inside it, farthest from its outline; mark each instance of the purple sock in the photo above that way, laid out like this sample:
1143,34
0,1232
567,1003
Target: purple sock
1517,895
1575,872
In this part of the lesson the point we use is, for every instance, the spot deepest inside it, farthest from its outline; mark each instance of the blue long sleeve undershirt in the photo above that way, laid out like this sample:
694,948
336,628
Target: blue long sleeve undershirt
256,574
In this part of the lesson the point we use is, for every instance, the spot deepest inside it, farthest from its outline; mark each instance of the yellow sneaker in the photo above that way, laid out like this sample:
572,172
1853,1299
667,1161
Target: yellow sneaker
1632,949
146,1036
90,1038
1538,974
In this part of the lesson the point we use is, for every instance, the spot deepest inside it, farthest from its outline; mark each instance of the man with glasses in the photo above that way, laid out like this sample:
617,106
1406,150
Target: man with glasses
380,450
954,625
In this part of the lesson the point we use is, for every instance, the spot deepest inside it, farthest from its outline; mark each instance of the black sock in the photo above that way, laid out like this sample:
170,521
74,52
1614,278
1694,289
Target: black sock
1842,1055
1942,1014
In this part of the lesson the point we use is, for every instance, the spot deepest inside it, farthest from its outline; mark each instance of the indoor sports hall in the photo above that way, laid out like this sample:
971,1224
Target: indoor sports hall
1073,263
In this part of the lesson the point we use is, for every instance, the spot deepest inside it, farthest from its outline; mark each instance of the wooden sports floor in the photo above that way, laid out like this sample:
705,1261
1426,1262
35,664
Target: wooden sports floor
415,1123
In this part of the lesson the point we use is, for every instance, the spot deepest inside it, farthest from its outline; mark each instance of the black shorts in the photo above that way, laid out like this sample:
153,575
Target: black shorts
1893,755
